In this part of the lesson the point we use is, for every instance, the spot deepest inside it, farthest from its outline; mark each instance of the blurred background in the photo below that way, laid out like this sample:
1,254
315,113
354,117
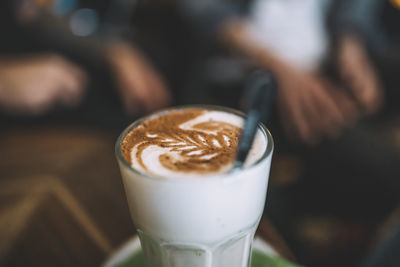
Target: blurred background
75,73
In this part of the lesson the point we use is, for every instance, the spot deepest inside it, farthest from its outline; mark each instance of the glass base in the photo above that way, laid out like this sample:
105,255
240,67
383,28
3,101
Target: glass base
233,252
130,254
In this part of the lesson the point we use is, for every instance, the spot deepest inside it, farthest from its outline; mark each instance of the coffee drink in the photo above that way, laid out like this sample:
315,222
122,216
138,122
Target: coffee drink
188,207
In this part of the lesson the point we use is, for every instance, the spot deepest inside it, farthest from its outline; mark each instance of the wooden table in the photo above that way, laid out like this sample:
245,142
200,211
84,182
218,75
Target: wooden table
62,201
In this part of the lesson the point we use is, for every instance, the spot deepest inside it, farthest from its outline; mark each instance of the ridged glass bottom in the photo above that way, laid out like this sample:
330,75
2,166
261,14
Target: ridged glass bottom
233,252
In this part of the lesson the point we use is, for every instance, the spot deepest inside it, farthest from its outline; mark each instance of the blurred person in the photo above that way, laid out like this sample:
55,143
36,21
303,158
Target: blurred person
34,80
290,39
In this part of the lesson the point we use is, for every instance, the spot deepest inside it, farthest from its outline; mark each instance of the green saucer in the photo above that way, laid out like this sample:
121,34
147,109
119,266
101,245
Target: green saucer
131,255
258,259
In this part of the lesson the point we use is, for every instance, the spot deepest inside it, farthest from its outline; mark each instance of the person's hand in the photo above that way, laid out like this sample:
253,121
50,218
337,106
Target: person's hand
311,108
358,74
140,86
33,85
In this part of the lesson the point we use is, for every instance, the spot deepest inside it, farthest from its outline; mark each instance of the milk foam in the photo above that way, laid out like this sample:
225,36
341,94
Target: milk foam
183,149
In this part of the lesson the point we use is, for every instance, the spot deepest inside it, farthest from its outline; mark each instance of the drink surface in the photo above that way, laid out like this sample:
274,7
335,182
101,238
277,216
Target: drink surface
188,142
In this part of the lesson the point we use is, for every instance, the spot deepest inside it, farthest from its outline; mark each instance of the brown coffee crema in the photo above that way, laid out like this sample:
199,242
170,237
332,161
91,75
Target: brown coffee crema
205,148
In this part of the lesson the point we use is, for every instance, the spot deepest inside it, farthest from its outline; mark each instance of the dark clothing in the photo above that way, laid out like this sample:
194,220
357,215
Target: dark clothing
375,21
207,16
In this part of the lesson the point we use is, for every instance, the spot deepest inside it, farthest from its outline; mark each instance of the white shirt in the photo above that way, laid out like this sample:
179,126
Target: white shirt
292,29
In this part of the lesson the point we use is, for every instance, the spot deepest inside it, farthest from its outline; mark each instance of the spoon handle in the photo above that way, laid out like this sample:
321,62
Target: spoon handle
264,86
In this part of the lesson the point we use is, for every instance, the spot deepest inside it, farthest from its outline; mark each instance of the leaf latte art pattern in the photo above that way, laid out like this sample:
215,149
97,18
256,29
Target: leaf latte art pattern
183,144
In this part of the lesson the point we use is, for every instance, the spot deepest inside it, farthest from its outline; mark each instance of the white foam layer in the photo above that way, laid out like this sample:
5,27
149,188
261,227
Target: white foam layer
197,211
150,155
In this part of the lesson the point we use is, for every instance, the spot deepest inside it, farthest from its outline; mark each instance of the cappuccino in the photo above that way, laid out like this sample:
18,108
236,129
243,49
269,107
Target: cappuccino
188,208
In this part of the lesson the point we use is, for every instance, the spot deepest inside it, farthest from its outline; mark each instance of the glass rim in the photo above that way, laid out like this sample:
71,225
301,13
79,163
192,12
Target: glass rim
137,122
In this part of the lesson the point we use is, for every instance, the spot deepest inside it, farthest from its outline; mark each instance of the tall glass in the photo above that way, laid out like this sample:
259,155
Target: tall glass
197,222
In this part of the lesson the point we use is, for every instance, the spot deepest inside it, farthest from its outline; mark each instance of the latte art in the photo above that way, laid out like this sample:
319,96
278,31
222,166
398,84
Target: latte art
195,141
199,151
